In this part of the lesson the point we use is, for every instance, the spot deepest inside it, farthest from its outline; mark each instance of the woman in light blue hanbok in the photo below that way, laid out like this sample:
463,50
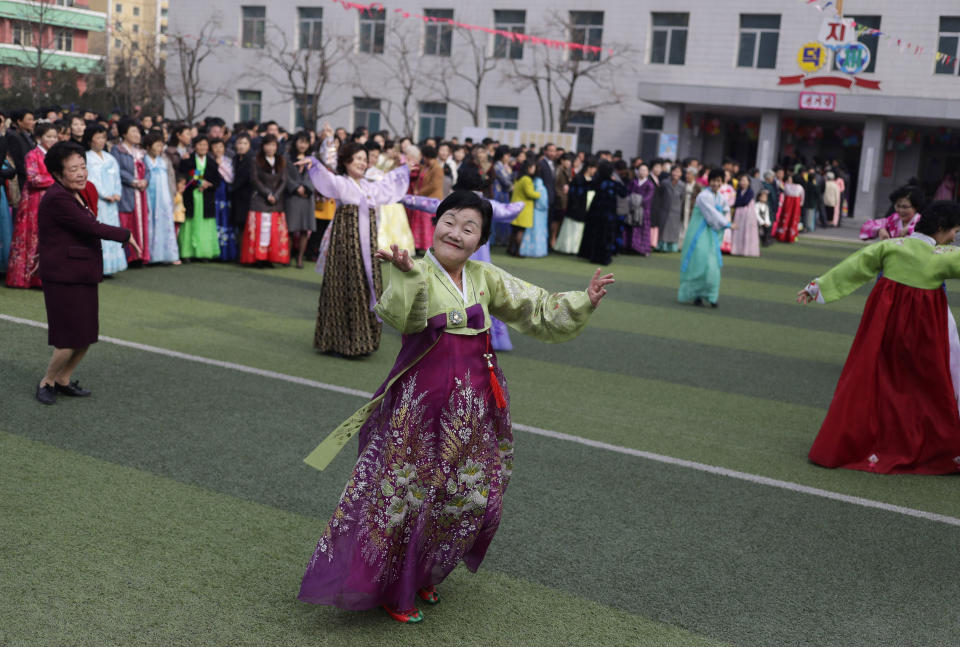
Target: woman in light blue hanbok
535,238
104,173
162,236
702,260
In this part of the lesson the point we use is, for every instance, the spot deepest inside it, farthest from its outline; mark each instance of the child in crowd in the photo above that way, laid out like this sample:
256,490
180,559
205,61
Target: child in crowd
763,216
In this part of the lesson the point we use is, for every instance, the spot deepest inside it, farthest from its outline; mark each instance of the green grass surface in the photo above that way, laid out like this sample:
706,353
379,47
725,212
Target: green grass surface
173,506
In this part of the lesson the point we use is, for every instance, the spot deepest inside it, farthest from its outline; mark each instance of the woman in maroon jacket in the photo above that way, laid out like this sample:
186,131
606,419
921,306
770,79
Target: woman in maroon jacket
71,266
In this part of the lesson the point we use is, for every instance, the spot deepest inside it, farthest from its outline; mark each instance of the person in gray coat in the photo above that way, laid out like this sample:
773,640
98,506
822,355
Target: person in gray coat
301,198
670,206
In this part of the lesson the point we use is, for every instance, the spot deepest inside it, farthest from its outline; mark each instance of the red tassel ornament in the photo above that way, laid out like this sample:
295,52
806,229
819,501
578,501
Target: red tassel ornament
494,382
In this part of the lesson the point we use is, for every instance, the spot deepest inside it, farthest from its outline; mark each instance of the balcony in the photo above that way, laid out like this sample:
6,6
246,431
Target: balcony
19,56
53,15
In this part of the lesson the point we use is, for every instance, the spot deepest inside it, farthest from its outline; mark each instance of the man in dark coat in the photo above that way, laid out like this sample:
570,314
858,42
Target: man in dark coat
547,172
20,141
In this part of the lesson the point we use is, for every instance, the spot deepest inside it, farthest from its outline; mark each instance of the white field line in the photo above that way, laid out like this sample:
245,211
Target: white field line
659,458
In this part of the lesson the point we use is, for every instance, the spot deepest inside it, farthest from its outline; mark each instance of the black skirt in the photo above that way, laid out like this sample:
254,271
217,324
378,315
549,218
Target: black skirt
72,314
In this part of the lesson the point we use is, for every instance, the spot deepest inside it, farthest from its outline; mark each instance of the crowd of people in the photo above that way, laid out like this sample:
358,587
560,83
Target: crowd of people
207,191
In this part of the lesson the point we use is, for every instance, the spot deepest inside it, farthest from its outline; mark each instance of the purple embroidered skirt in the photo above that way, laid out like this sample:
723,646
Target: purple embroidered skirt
426,492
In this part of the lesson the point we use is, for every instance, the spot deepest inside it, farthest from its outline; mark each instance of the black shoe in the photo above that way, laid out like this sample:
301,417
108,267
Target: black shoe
714,304
73,390
46,394
698,301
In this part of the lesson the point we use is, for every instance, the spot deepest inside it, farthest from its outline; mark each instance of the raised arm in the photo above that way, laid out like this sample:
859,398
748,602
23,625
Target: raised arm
392,187
534,311
67,213
333,186
847,276
403,304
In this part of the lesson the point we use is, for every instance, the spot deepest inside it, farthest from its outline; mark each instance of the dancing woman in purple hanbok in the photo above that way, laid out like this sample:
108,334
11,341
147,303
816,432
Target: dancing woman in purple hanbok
436,447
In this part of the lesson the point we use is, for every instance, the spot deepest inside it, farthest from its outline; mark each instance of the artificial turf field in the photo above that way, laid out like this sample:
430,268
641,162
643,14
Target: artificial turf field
173,507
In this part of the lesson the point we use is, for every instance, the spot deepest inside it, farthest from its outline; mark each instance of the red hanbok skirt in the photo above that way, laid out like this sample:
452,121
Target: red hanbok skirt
788,224
895,407
259,244
421,224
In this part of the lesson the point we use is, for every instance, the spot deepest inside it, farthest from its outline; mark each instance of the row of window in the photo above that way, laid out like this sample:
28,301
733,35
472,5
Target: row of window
22,33
758,44
432,121
586,28
119,9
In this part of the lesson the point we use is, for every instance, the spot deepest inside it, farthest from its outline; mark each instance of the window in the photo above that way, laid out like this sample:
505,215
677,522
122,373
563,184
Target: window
136,11
65,40
433,119
119,8
503,117
373,24
581,124
134,46
65,3
311,27
513,21
117,42
759,37
586,28
249,104
163,29
254,34
22,34
871,41
366,112
136,28
163,12
650,128
438,36
669,38
949,39
302,107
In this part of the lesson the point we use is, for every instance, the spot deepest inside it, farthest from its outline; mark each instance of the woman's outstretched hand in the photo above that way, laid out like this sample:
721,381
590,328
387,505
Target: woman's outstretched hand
804,297
133,243
399,257
597,288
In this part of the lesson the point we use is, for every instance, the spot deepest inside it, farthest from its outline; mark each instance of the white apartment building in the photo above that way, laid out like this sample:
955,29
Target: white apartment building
710,79
366,90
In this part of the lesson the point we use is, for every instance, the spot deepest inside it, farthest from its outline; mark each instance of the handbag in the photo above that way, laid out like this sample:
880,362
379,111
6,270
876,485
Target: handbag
634,217
12,186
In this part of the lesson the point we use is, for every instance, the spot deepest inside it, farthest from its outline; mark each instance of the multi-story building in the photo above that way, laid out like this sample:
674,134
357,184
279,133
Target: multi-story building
50,35
695,78
389,71
135,36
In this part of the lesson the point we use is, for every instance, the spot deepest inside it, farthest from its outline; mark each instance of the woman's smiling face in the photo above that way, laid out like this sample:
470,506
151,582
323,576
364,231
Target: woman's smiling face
457,236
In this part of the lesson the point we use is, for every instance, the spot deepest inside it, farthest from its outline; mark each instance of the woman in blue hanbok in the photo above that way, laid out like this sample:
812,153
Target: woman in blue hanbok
535,238
229,245
7,172
163,236
104,173
702,260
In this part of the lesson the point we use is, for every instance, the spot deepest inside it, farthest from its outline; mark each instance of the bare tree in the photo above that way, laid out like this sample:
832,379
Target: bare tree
136,77
40,38
191,95
468,73
405,78
306,70
567,82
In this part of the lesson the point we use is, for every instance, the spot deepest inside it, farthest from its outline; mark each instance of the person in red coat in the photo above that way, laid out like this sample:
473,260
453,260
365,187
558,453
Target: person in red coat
71,266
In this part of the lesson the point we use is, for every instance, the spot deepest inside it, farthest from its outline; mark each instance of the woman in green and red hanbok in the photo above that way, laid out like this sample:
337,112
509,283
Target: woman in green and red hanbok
895,409
436,448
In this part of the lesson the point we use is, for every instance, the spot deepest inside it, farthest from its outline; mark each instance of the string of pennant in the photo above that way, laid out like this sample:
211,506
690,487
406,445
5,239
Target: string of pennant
513,36
902,44
376,8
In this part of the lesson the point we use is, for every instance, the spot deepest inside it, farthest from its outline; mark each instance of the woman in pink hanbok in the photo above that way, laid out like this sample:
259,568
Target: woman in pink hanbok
907,201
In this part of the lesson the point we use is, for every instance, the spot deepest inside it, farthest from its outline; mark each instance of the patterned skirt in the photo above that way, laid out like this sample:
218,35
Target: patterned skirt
427,490
345,323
